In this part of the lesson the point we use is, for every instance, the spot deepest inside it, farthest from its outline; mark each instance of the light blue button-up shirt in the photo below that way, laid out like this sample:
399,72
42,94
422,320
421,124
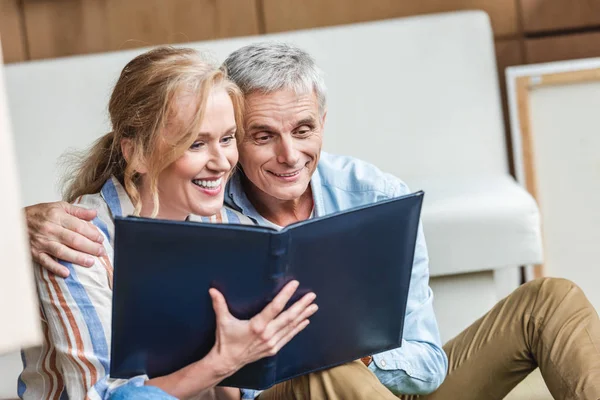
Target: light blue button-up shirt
339,183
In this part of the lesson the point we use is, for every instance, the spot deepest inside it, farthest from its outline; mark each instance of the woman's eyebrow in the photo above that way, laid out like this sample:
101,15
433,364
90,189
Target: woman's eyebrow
207,135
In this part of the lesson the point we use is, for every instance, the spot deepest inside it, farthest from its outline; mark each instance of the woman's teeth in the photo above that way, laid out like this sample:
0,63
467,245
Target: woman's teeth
208,184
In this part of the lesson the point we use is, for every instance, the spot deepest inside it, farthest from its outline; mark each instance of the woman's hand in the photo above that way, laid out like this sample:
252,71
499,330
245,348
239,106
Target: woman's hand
61,230
240,342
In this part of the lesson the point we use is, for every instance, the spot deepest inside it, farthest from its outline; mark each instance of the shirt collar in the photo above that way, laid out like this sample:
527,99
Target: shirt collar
236,198
116,198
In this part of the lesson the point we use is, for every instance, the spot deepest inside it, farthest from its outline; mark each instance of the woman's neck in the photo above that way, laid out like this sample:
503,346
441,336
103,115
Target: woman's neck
164,212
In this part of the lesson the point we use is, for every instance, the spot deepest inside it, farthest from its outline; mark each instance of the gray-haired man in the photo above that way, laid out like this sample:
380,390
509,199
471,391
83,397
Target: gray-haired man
287,178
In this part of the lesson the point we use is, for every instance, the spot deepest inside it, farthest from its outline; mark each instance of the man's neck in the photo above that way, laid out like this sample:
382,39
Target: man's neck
279,212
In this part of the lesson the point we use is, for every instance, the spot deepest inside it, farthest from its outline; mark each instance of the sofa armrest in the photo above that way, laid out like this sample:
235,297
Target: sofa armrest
479,223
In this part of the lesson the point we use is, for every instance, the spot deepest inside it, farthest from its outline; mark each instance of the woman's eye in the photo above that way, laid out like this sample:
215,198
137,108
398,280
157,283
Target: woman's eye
196,145
228,139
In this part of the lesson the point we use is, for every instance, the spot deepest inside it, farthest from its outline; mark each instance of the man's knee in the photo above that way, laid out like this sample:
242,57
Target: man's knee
550,287
554,293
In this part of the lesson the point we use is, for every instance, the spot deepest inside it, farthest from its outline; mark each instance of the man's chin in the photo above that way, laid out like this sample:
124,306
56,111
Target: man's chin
287,193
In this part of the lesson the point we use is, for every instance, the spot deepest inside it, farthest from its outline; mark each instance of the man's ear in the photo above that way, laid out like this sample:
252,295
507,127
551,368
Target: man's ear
127,150
323,118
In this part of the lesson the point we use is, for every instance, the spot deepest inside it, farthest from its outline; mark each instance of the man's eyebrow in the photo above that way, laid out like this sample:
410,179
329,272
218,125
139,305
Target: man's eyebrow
261,127
307,121
268,128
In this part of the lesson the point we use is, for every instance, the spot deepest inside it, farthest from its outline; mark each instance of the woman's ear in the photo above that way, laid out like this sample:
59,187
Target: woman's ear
127,148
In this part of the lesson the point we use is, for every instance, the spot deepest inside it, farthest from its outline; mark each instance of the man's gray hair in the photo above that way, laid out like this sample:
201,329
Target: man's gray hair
272,66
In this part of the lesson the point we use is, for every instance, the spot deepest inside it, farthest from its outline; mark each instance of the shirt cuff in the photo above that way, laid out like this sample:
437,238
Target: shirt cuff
250,393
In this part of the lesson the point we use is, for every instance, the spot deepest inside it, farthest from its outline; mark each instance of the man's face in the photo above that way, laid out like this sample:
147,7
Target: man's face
282,144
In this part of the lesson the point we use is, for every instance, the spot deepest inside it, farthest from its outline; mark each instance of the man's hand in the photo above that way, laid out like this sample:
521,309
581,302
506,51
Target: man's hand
63,231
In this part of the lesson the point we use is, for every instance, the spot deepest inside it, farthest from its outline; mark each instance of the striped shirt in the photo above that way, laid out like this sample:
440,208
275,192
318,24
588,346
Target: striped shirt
74,360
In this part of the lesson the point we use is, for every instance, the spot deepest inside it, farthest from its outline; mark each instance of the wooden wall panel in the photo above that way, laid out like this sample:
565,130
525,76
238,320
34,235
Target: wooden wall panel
11,32
551,15
282,15
508,53
67,27
564,47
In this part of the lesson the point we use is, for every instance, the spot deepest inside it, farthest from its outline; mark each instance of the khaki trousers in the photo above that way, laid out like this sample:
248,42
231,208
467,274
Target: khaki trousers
547,323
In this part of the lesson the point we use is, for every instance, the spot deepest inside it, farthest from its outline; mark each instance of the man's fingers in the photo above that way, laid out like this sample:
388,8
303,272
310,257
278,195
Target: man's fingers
83,228
81,212
219,304
80,243
64,253
52,265
277,305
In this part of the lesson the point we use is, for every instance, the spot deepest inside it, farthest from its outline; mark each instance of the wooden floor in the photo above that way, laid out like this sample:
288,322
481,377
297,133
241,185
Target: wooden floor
532,388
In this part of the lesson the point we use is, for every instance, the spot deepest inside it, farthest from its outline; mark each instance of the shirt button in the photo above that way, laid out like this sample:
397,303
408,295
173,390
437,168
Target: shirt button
382,363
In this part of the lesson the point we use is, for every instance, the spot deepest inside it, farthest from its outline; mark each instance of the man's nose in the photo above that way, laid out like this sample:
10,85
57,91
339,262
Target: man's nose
287,152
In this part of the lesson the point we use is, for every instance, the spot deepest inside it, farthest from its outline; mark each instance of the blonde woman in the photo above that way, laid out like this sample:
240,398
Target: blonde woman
175,119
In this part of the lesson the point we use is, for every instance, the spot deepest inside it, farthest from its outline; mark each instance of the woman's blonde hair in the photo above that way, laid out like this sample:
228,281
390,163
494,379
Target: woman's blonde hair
141,104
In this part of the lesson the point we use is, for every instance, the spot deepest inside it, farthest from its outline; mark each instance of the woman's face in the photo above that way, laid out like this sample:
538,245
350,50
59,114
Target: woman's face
195,183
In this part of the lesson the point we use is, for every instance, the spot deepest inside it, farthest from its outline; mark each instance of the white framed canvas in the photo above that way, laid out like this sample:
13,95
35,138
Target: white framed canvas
555,125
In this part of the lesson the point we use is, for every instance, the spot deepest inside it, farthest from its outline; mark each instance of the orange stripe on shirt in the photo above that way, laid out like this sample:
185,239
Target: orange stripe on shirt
78,342
47,349
109,269
60,384
76,332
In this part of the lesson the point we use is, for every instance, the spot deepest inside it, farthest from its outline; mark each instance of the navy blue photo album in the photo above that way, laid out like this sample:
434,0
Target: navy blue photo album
357,261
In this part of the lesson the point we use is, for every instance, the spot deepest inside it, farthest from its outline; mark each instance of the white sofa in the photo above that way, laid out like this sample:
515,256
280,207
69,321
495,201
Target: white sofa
418,97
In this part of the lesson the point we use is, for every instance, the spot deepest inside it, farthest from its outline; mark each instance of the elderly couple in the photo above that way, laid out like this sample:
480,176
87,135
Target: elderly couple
178,127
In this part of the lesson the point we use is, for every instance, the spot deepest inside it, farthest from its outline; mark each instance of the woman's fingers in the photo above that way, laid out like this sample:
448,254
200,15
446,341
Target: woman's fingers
260,321
290,315
219,304
284,331
290,335
263,335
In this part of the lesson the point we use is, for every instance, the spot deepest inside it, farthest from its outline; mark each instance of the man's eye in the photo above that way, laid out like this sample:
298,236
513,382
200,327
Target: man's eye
304,131
262,138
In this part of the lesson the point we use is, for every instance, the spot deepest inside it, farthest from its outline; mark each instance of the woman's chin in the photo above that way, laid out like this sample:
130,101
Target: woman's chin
208,210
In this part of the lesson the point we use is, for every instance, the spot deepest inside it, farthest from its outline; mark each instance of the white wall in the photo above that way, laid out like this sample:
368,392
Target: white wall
383,79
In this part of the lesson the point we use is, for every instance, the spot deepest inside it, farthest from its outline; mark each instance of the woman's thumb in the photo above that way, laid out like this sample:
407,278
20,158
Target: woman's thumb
219,304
